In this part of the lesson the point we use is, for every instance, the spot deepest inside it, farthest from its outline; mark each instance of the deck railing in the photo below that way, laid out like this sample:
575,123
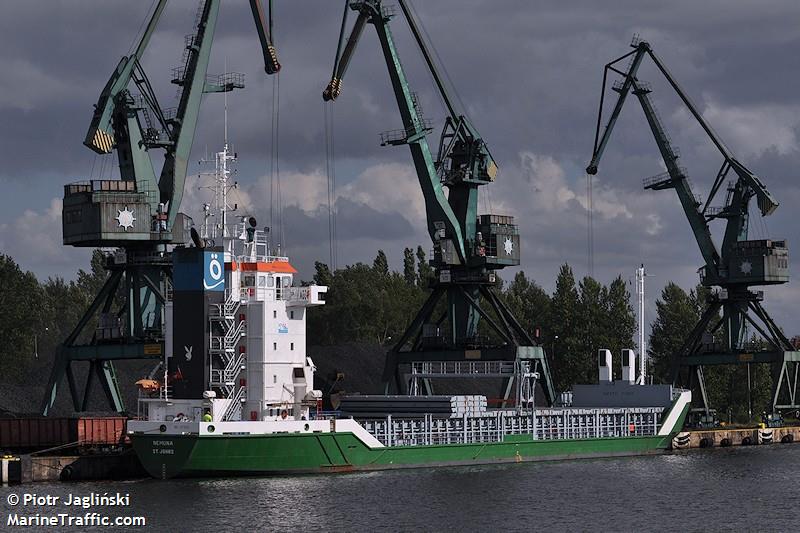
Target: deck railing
539,424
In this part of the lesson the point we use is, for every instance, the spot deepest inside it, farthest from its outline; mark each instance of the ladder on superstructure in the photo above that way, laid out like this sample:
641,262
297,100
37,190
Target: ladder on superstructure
226,331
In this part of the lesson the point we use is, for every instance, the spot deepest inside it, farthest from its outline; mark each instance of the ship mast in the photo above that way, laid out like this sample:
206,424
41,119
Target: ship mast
219,210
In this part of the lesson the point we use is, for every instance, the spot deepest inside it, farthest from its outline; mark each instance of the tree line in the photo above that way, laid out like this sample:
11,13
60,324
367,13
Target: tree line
35,316
371,303
375,304
677,312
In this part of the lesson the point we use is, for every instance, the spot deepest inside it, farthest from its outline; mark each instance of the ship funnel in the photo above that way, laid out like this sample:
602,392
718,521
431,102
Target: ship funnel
629,366
604,366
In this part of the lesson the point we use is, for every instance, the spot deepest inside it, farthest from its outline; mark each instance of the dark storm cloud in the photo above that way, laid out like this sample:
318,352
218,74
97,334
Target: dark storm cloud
354,221
528,74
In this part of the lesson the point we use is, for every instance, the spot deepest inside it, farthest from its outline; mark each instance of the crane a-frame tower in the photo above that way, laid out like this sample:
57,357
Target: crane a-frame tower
138,214
443,340
721,335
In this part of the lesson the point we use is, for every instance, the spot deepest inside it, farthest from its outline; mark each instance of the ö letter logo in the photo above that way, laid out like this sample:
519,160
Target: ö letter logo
213,276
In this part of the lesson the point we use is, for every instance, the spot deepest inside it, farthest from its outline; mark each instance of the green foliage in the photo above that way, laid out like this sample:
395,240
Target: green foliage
381,264
591,329
409,266
36,317
91,282
560,335
21,315
424,270
363,304
580,320
726,386
676,315
322,274
375,304
528,302
619,322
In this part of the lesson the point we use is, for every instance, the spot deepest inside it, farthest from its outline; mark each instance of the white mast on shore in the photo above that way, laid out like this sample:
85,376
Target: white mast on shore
640,275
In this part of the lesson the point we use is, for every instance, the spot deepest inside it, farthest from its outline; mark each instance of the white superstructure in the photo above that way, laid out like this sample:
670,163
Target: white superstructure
258,368
279,375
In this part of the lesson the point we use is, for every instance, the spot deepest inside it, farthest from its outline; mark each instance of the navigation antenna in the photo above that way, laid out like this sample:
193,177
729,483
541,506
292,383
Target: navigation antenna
222,172
640,275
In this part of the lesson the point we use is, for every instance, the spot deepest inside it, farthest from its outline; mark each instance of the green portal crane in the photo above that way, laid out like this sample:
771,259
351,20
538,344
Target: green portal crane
139,213
735,267
468,248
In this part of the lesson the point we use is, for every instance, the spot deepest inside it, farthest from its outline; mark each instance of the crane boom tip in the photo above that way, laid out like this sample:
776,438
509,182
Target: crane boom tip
333,90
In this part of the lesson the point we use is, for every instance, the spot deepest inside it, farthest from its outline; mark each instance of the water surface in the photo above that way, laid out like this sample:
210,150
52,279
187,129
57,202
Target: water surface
750,488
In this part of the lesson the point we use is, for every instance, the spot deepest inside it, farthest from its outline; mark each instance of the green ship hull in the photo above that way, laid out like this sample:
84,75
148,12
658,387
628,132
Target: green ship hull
230,455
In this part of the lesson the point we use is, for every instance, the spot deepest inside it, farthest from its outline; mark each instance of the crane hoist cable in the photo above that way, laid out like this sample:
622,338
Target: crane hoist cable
330,172
102,170
330,156
333,189
328,177
439,63
589,225
114,167
264,21
452,88
268,166
138,35
275,200
277,135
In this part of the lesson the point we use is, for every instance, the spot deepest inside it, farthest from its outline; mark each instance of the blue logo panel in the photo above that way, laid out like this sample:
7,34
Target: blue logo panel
198,270
213,271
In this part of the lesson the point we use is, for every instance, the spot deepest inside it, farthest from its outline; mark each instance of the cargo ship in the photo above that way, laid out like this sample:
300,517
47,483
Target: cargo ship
258,414
235,396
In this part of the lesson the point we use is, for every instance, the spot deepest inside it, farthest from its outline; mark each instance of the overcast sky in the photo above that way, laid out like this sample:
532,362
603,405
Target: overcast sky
529,74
